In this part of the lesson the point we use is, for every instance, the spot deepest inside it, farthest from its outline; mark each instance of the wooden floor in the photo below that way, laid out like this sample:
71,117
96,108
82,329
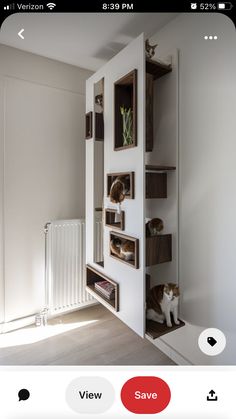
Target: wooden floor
105,341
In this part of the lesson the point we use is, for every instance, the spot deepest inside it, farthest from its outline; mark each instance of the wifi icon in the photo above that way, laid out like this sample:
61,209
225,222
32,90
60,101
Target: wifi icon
51,5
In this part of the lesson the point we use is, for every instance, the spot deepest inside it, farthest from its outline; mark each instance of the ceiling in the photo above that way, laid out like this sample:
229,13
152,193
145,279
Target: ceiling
86,40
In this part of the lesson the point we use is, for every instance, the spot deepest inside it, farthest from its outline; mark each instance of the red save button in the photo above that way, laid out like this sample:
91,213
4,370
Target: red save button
145,395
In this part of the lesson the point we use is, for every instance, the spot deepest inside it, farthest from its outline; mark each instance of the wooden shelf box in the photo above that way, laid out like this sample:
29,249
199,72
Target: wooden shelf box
110,219
158,249
154,70
99,127
92,276
125,95
156,185
156,181
157,69
88,125
122,237
130,179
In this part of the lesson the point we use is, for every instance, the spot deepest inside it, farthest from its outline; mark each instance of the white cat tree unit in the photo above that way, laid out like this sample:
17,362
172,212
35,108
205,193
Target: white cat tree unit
149,88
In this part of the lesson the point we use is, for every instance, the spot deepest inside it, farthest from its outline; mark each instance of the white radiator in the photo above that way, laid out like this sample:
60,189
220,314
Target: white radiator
65,266
98,234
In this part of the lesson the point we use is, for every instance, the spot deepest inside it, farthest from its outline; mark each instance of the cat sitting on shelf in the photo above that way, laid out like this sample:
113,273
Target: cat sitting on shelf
119,188
163,300
99,100
124,249
154,227
150,49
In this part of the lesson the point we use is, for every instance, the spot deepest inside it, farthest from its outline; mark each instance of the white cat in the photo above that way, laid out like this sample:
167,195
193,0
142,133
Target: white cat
161,302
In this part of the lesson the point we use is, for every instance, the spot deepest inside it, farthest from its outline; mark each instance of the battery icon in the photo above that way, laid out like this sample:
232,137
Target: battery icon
224,6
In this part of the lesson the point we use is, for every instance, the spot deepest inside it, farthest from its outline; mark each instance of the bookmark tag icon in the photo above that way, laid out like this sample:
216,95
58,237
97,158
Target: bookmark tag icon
211,341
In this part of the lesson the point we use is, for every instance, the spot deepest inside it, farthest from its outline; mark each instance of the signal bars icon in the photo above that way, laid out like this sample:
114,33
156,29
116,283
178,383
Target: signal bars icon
9,7
51,6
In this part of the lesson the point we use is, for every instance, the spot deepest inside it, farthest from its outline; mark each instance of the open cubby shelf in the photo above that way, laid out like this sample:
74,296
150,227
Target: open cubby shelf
157,68
156,185
110,219
99,127
155,330
156,180
154,70
88,125
130,180
93,276
122,237
158,249
125,95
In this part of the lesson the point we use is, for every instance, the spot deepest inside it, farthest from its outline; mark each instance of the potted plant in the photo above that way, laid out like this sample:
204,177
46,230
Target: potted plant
127,119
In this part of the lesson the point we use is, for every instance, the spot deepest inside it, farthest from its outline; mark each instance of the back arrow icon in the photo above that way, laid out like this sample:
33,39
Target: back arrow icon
20,34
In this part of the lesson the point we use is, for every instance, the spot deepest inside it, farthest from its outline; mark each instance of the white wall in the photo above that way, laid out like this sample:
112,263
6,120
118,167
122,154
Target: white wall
42,172
207,149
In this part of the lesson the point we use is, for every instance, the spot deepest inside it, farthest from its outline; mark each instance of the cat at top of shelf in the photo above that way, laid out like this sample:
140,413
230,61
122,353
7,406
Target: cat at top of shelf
119,188
123,249
150,49
99,100
154,227
162,300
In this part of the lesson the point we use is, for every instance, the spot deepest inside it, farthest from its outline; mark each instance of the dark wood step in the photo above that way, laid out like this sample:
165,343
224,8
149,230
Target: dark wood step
155,330
158,168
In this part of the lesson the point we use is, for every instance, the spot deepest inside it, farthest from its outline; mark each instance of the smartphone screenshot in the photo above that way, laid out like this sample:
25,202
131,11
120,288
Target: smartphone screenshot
117,210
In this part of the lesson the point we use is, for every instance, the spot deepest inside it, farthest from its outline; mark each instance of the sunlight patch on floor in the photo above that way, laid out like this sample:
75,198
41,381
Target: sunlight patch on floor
35,334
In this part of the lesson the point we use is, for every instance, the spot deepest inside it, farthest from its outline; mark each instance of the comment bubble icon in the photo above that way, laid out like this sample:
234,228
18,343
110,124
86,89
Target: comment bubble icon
23,394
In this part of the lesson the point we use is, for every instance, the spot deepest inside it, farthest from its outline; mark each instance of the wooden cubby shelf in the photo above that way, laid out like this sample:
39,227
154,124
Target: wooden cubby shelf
156,330
123,238
157,69
93,276
158,249
129,179
99,127
125,96
156,185
110,219
88,125
156,181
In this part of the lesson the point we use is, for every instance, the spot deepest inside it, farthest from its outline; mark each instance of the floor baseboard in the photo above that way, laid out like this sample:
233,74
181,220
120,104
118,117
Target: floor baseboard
27,321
